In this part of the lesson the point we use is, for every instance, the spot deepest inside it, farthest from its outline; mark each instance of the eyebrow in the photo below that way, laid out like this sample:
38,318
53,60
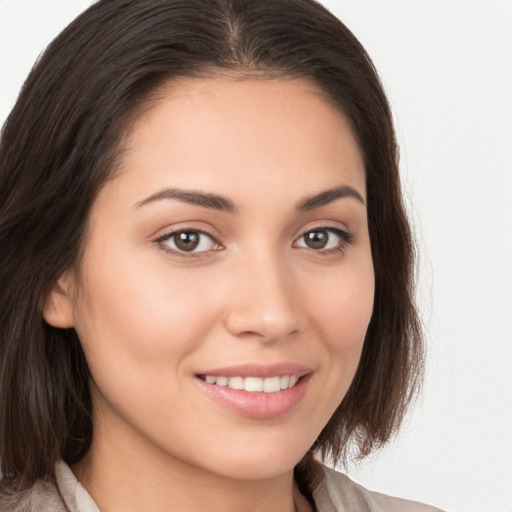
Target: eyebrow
221,203
328,196
206,200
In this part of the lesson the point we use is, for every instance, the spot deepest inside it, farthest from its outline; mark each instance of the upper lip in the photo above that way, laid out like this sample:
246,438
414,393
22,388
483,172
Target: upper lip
259,370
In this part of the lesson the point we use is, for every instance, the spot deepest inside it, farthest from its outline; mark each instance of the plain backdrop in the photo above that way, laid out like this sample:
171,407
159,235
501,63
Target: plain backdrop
447,67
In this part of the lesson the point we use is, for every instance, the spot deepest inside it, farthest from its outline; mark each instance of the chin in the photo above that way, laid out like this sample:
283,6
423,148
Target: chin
256,462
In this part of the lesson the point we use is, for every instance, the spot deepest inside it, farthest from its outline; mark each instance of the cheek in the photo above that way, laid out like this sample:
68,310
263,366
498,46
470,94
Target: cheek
137,331
136,317
342,314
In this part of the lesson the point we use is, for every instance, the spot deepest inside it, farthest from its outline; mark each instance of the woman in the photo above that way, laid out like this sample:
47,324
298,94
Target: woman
206,266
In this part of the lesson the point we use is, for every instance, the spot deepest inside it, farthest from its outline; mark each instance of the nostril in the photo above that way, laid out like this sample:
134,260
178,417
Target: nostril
263,306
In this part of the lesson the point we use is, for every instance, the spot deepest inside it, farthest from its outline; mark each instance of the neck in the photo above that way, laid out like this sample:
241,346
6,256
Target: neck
128,479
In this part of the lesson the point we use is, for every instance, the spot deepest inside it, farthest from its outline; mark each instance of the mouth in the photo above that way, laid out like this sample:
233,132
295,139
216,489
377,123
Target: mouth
260,392
253,384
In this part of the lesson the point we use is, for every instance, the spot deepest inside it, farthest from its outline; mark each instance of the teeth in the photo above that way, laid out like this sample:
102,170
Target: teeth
254,384
236,383
271,385
221,381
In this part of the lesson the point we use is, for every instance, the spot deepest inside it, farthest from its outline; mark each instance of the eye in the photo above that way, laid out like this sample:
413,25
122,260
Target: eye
188,241
324,239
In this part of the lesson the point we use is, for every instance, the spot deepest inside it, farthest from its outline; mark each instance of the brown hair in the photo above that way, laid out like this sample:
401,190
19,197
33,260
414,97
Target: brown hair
60,143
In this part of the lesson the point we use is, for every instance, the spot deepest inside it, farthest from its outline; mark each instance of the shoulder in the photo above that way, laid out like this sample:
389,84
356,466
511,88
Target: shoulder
335,492
43,495
66,494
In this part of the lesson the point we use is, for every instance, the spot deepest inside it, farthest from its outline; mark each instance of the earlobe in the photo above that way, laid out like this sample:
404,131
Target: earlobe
58,308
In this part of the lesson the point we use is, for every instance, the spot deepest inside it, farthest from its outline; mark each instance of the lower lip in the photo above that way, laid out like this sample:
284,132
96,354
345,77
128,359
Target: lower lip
258,405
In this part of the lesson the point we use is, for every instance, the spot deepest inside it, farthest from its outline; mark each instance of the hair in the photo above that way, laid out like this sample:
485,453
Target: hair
61,143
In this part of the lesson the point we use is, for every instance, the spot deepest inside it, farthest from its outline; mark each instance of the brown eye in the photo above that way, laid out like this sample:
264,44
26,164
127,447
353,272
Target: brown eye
316,239
190,241
186,240
324,239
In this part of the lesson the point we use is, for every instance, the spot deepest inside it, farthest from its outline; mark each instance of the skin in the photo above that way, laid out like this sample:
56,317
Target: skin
150,318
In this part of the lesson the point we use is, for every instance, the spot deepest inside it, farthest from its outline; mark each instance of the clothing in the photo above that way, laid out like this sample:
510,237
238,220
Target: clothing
335,492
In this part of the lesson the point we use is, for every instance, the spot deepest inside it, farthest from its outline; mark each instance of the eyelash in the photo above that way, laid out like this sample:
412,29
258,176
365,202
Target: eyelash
160,241
345,237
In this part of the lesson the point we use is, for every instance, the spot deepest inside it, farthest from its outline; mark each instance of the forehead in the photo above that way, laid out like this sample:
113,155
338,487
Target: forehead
233,134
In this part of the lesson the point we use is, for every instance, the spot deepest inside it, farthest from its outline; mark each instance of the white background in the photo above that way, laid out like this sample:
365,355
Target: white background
447,66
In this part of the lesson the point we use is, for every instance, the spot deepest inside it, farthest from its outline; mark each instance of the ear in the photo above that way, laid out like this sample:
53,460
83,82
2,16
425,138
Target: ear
58,308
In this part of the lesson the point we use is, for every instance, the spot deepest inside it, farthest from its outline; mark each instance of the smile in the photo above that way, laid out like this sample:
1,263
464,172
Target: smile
254,384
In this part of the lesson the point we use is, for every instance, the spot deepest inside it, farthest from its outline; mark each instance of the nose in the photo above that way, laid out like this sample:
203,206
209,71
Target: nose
263,304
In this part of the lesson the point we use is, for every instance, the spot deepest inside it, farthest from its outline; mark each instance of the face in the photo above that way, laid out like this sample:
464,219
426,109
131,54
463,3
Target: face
227,280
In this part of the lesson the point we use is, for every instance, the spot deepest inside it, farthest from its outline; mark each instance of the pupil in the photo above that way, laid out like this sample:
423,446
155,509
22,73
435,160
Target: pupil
317,239
187,240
